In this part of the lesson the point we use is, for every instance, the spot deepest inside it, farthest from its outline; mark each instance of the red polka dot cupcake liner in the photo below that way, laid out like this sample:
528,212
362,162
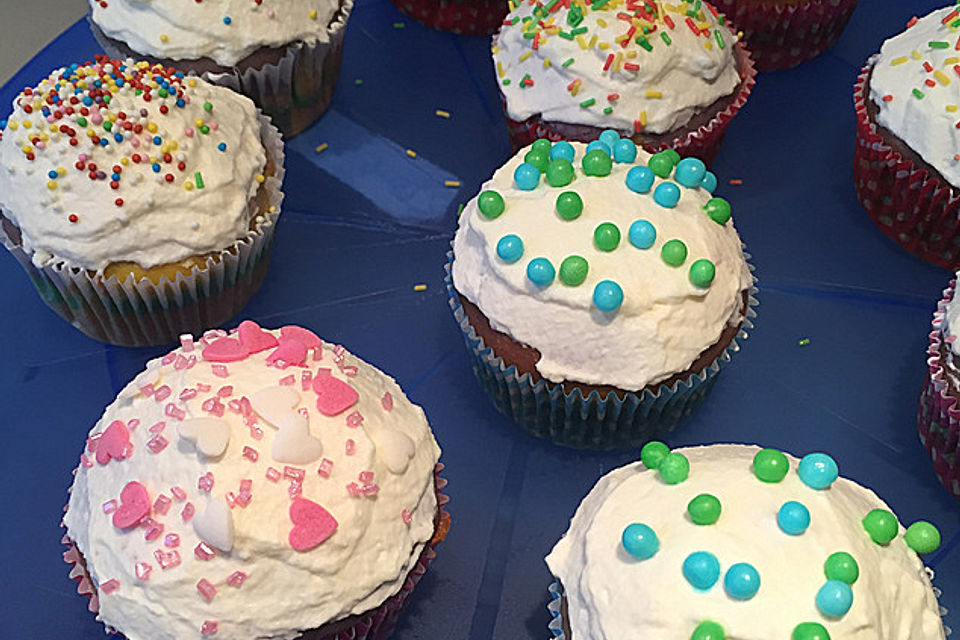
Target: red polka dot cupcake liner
918,211
702,142
467,17
376,624
784,35
938,415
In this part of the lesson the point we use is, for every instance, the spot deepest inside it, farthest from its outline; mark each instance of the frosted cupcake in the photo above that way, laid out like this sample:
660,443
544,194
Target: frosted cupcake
731,541
652,72
141,203
468,17
286,56
599,300
261,484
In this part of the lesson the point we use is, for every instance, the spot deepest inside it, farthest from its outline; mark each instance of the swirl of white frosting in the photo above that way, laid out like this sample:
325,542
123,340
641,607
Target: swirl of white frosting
665,322
921,104
226,31
613,596
576,78
377,540
186,196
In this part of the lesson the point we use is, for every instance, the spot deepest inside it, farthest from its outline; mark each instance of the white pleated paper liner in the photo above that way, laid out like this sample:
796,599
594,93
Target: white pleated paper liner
592,422
133,312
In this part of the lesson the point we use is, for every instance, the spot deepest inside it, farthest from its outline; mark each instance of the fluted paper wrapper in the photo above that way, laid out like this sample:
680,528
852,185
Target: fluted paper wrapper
139,313
593,422
467,17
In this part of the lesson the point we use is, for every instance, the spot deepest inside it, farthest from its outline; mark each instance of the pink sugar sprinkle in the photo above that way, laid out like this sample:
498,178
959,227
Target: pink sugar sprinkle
206,589
326,467
386,401
366,477
234,405
188,132
157,443
256,432
157,427
225,391
171,540
209,403
294,473
350,447
186,342
143,569
162,393
204,552
317,353
175,412
178,493
147,389
245,407
153,531
295,489
324,371
250,454
180,363
92,442
306,380
370,489
167,560
349,370
243,499
220,370
209,627
133,423
205,482
406,516
354,419
304,412
246,485
231,499
288,380
272,474
162,504
167,359
187,512
127,451
353,489
191,362
109,506
202,387
236,578
85,461
211,335
338,350
109,586
187,394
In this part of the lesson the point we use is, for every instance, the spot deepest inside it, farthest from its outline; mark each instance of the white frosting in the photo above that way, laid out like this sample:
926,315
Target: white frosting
158,222
689,74
615,597
364,562
178,30
665,322
927,125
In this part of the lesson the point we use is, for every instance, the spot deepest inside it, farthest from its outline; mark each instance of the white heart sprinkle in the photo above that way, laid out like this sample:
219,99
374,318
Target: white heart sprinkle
293,444
274,404
210,435
215,525
396,449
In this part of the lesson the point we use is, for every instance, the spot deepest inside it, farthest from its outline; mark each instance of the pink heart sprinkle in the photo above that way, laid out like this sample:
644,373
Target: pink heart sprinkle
291,352
308,338
334,396
312,524
254,338
225,350
134,506
113,442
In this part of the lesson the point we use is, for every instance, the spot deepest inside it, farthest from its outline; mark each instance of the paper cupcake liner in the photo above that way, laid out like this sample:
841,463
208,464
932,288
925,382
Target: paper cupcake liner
782,36
938,414
703,142
918,211
466,17
140,313
376,624
593,422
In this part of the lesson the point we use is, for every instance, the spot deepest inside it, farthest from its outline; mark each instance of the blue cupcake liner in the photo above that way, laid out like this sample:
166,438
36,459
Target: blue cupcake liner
593,422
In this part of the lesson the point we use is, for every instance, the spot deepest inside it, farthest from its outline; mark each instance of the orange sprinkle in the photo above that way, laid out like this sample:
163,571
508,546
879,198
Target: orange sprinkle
736,182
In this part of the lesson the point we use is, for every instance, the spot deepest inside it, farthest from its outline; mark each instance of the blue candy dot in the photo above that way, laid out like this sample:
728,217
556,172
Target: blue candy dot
114,176
155,167
88,101
741,581
834,599
610,137
690,172
640,541
640,179
599,144
52,174
510,248
226,20
666,195
3,124
222,146
642,234
607,296
157,140
118,137
701,569
818,470
793,518
526,177
562,149
540,272
709,182
625,151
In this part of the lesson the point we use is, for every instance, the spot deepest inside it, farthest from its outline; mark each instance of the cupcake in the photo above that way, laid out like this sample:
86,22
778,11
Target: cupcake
286,56
649,70
784,33
939,416
467,17
738,542
257,484
906,166
599,302
141,203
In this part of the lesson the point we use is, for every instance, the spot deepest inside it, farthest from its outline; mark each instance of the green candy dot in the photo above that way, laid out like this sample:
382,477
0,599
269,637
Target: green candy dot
674,252
207,106
653,453
539,159
82,121
770,465
559,172
718,209
606,236
661,164
674,468
809,631
702,272
204,129
107,98
922,537
673,155
881,525
542,145
841,566
597,163
708,630
704,509
573,271
491,204
107,125
569,205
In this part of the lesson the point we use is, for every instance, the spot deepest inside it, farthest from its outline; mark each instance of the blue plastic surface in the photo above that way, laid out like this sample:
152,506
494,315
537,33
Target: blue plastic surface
355,238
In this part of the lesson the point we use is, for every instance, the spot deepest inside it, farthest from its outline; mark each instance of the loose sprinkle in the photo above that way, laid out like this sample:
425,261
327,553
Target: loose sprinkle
451,183
322,147
802,342
419,287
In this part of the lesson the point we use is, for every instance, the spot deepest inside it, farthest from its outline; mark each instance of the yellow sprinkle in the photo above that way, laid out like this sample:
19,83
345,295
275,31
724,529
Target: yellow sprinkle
51,184
91,133
53,128
259,177
953,60
197,123
441,113
499,69
951,108
45,137
112,117
27,124
419,287
271,209
546,63
451,183
643,118
313,14
654,94
526,56
708,45
321,148
26,148
582,42
174,145
125,161
898,61
632,53
411,153
62,171
495,49
593,41
942,77
188,186
13,126
152,127
191,83
617,61
915,55
603,46
164,37
601,22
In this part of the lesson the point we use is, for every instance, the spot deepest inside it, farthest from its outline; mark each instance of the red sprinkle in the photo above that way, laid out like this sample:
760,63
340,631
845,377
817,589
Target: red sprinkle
73,217
912,22
887,98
